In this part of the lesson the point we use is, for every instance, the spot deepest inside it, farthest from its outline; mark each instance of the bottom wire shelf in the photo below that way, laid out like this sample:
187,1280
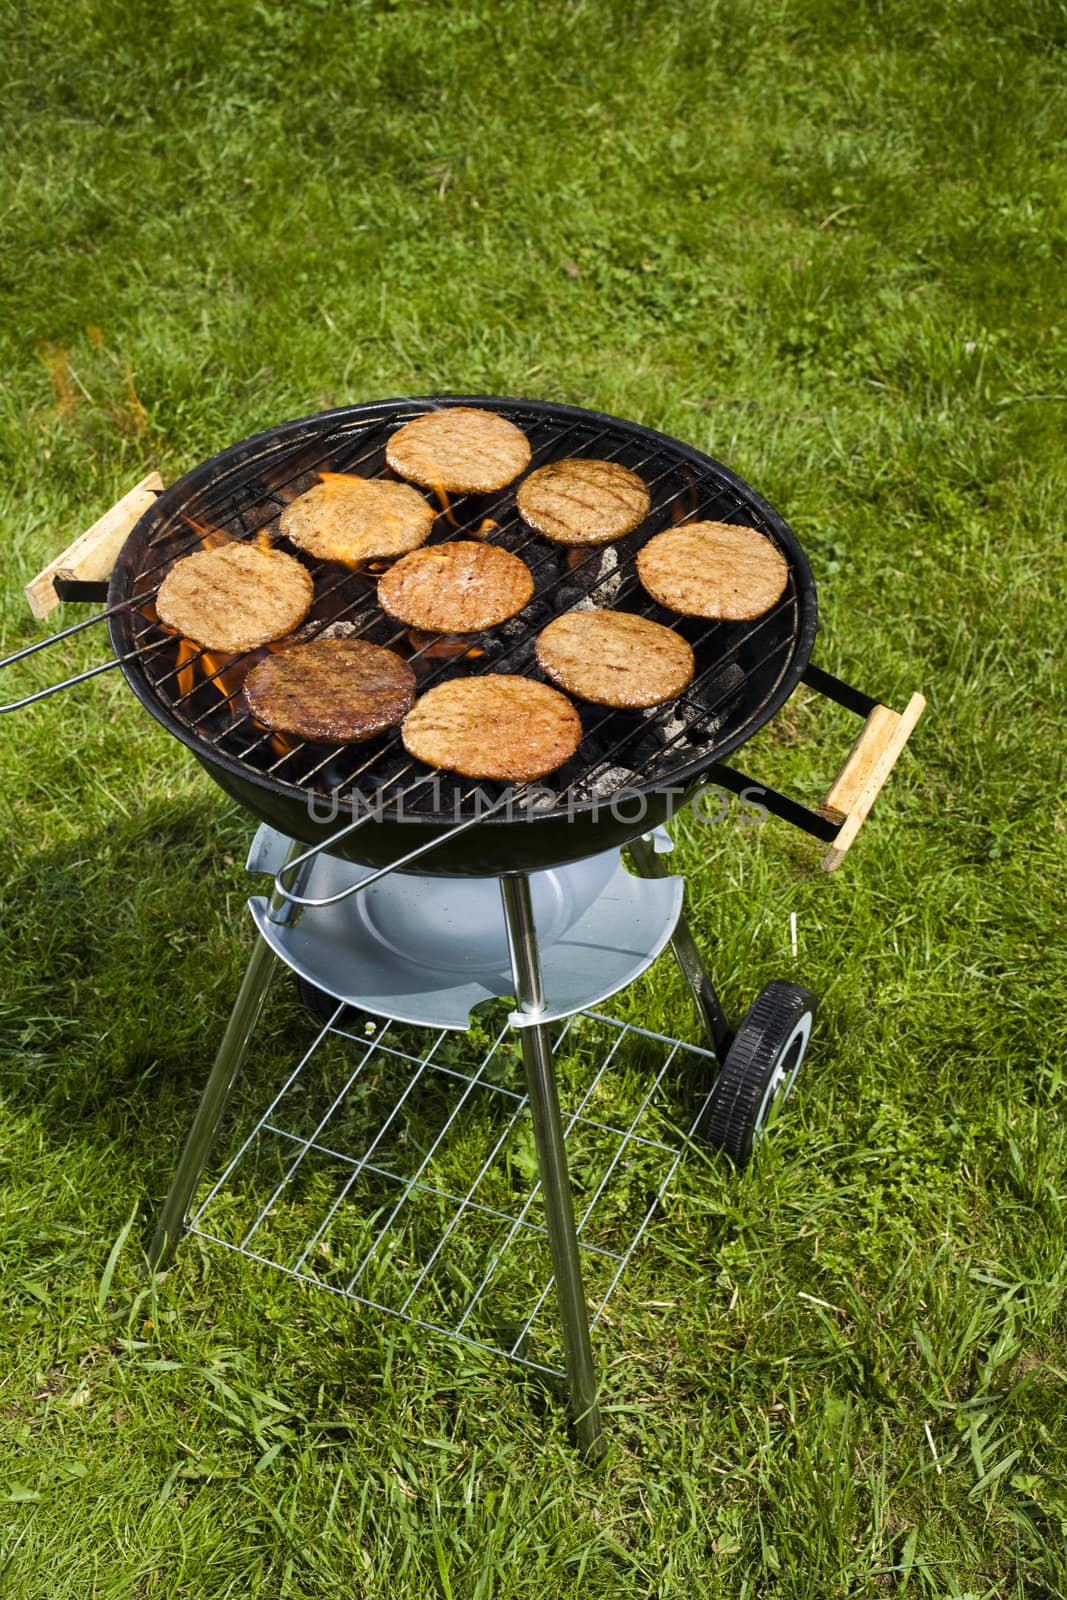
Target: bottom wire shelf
405,1179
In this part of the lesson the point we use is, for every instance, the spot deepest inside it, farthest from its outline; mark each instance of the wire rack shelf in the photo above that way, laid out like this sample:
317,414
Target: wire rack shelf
396,1167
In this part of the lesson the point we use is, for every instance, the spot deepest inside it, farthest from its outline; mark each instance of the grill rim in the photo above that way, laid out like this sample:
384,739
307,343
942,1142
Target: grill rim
287,436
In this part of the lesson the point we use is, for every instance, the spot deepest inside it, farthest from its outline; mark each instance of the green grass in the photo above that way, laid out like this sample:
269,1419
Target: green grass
825,242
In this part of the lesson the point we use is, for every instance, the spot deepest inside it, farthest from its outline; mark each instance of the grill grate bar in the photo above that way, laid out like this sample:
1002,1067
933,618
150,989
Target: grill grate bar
545,557
629,587
316,570
412,1183
390,793
422,1188
422,1255
275,1103
512,1094
728,698
309,469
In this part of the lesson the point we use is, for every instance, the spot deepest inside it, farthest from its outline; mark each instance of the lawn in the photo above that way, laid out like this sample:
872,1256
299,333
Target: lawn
823,242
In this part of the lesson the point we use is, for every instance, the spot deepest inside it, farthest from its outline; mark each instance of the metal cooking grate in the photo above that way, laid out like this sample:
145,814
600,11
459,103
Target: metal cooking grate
357,1177
740,666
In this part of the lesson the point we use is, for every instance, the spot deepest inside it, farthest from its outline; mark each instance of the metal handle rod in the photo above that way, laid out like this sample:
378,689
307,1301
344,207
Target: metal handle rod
552,1161
79,677
295,899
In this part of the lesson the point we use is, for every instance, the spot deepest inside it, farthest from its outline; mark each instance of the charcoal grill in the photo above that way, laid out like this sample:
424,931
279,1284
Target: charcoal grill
385,892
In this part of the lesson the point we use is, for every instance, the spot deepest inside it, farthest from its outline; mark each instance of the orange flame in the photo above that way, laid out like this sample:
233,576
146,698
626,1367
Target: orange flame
441,647
186,672
210,538
226,673
338,480
281,744
446,504
486,527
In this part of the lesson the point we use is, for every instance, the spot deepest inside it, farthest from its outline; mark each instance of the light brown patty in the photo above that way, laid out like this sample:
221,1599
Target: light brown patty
236,597
459,449
459,587
578,501
713,569
614,658
340,690
496,726
354,519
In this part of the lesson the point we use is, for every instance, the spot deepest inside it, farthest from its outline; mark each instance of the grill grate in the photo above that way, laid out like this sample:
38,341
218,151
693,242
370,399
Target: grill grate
356,1178
741,668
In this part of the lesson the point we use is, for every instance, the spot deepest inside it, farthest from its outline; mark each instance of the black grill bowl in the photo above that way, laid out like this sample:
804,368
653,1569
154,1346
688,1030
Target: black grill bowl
631,771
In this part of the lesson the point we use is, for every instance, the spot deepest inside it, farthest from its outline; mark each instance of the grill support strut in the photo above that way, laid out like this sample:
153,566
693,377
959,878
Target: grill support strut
552,1162
215,1098
690,964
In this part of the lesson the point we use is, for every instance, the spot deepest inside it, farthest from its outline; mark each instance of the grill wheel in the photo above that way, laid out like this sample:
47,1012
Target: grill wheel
760,1069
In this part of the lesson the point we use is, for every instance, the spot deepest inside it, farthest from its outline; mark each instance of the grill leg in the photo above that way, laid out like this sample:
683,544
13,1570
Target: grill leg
201,1137
688,957
228,1063
552,1162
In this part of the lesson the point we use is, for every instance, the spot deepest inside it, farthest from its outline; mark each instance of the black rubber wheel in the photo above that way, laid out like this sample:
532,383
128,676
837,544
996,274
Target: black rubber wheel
760,1068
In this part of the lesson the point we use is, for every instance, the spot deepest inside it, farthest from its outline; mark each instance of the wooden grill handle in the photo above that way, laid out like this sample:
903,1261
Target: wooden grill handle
93,554
867,766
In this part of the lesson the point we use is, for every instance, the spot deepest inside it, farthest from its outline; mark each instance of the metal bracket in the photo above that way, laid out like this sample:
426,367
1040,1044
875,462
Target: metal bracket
83,591
868,764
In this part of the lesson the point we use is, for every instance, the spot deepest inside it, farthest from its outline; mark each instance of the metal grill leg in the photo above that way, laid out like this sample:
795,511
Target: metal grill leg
228,1063
552,1161
688,957
201,1137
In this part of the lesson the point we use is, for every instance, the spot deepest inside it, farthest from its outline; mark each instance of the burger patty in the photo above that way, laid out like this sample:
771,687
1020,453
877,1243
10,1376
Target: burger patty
614,658
578,501
713,569
509,728
459,449
236,597
335,690
459,587
346,518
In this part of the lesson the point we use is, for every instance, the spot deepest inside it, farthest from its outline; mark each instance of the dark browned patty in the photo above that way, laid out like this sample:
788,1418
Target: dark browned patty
236,597
614,658
508,728
459,587
335,690
346,518
579,501
459,449
713,569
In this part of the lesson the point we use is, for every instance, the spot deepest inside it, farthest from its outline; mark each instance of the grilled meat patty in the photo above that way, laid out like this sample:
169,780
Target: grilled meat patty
713,569
459,449
459,587
614,658
496,726
335,690
235,597
347,518
579,501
